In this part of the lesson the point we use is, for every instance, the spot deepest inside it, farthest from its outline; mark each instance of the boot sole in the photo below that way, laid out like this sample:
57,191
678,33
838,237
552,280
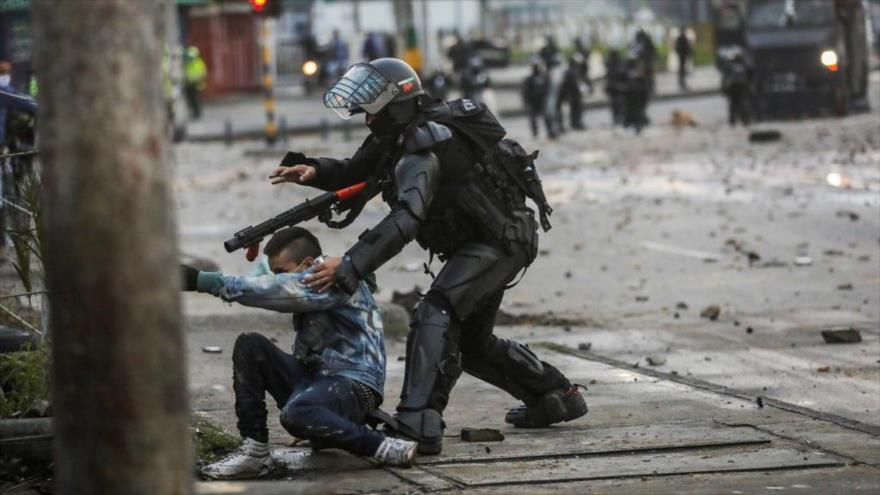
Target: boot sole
430,448
580,411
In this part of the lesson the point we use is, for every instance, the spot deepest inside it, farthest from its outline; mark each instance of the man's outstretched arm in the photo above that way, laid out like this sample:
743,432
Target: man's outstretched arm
285,292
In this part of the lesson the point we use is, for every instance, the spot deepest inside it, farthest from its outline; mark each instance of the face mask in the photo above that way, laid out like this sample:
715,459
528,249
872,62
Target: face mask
5,80
385,127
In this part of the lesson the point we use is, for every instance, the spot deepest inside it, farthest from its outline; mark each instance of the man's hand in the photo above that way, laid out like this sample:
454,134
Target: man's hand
190,277
298,174
324,275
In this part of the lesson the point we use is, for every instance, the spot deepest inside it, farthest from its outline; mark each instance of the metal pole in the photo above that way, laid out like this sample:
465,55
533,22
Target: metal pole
268,82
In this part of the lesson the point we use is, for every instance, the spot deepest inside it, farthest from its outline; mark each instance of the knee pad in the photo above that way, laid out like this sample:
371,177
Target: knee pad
433,362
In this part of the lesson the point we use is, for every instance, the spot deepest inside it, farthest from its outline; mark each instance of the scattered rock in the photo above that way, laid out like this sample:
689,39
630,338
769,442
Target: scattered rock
711,312
832,252
753,257
681,305
656,360
846,286
546,319
481,435
411,267
641,298
212,349
853,216
750,330
568,274
401,358
395,320
823,369
841,336
585,346
774,263
760,402
764,136
680,119
803,261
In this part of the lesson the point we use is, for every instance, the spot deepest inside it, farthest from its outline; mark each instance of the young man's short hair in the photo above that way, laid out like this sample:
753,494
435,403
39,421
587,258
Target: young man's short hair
297,241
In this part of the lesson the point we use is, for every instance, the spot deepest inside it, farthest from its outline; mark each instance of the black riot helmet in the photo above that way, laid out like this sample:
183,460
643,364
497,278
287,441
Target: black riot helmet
370,87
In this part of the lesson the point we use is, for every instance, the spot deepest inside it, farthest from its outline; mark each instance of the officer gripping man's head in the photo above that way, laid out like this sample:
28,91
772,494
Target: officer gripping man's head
435,164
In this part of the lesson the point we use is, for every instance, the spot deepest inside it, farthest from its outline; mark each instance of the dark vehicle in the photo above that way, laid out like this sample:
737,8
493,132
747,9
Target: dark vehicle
492,53
809,56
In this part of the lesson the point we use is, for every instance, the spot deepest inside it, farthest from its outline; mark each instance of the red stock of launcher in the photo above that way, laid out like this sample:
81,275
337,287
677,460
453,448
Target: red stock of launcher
321,206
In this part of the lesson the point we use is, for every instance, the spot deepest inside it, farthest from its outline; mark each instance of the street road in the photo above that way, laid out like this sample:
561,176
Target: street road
648,232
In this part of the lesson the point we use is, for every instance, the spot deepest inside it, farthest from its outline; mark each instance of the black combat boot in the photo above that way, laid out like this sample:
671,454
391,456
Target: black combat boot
552,407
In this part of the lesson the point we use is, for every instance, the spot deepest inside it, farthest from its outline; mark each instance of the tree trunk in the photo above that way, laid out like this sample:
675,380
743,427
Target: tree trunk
119,391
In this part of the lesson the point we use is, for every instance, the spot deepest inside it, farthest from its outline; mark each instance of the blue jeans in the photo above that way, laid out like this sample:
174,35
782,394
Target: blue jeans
327,410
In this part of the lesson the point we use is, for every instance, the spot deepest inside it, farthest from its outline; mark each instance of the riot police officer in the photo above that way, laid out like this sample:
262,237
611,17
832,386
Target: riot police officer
636,91
736,84
431,162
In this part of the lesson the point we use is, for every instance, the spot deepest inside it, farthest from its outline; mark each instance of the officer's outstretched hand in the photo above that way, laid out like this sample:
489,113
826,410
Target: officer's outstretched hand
298,174
190,278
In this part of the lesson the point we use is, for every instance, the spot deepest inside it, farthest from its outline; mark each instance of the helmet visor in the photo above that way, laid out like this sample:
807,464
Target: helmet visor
361,88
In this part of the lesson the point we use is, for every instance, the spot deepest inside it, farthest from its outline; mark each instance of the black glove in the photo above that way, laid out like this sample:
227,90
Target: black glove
190,277
347,277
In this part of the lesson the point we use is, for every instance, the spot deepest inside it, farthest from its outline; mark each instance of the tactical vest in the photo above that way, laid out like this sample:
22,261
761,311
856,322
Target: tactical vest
484,184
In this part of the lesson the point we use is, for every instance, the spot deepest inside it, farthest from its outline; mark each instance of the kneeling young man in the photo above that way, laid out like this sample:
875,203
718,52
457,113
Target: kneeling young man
335,375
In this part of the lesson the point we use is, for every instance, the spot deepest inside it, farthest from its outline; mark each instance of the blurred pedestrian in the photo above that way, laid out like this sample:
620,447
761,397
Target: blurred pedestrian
459,53
552,60
474,79
534,94
550,53
736,84
683,50
582,53
374,47
570,92
614,82
437,84
338,55
637,88
644,46
195,75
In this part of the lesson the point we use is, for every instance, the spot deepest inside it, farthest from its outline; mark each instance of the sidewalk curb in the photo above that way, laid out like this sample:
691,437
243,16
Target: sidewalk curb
259,132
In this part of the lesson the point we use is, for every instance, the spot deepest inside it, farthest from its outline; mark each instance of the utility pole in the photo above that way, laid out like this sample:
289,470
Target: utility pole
268,69
119,386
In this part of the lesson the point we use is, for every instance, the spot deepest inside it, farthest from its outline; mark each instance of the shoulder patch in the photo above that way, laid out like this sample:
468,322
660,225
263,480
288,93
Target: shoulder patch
425,136
464,106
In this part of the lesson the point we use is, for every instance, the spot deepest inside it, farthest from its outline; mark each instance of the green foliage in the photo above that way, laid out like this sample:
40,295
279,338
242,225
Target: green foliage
211,441
29,242
25,381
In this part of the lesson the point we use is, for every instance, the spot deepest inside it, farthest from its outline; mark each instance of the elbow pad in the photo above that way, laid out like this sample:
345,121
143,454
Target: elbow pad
383,242
416,176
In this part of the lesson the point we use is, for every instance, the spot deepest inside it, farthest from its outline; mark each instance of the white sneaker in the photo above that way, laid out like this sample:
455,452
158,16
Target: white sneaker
250,460
396,452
